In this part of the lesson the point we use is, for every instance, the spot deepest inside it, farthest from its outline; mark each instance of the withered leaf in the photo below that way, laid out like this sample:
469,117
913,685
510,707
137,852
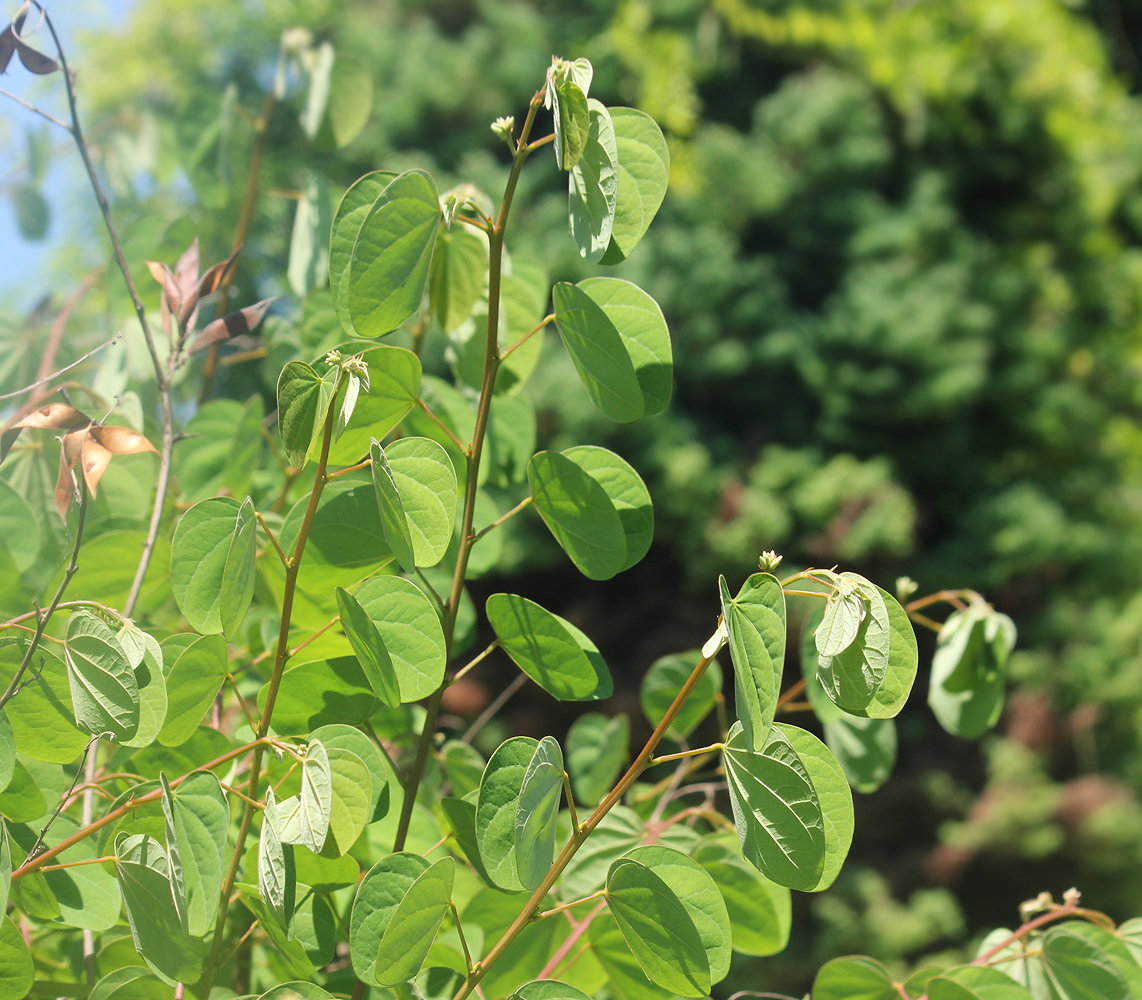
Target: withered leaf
21,14
186,270
121,440
35,62
54,416
210,281
231,325
7,48
172,296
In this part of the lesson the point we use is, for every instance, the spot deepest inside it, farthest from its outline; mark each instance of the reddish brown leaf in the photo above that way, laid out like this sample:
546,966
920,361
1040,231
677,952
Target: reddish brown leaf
210,281
233,325
7,48
94,458
186,270
56,416
171,294
35,62
69,452
121,440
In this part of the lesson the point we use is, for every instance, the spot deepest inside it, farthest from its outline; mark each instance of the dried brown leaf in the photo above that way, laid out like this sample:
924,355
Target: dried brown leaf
35,62
210,281
7,47
70,448
232,325
121,440
186,270
21,14
94,458
55,416
171,293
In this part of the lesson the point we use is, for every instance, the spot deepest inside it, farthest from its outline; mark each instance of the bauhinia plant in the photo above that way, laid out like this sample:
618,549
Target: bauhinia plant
224,770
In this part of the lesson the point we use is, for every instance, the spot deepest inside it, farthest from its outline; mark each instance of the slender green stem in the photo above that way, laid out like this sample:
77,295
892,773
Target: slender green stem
460,933
442,425
527,336
683,754
567,906
525,502
473,453
570,800
471,663
352,468
789,694
273,538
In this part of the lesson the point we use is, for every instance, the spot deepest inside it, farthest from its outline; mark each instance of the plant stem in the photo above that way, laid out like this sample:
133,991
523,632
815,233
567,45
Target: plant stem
562,907
565,948
683,754
525,502
789,694
527,336
474,452
641,762
471,663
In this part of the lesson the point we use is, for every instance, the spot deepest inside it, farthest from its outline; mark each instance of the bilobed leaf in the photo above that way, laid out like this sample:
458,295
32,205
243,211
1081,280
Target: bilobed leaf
760,911
351,213
642,330
548,989
579,513
599,354
277,870
104,691
368,647
146,658
593,186
305,817
496,808
413,925
665,678
699,894
378,896
755,621
854,978
644,172
903,659
410,630
197,818
161,941
626,491
974,982
351,799
572,122
394,522
391,256
426,482
303,401
658,929
16,970
341,737
833,797
458,275
852,677
394,380
536,811
776,810
844,612
597,748
550,650
192,681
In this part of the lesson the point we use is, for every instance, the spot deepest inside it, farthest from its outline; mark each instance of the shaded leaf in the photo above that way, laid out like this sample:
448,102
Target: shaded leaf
665,679
497,807
755,623
104,691
644,172
593,186
368,647
414,923
536,811
597,748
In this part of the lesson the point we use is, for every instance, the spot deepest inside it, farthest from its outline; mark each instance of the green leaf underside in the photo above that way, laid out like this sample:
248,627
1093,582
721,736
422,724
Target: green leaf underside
458,274
545,647
305,817
303,400
852,677
755,621
104,690
658,929
351,213
202,567
277,869
537,809
391,256
760,911
776,810
966,688
644,172
974,982
597,748
411,632
197,818
853,978
593,186
413,925
497,805
572,123
665,678
368,647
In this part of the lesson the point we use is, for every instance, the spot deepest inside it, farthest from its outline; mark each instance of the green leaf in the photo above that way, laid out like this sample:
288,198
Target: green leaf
903,659
16,970
643,333
5,867
461,817
865,749
346,695
572,122
414,923
296,991
146,658
626,491
537,809
579,513
755,622
130,983
776,810
197,818
212,564
192,681
44,727
497,807
852,677
760,911
597,748
141,866
974,982
277,870
1116,950
699,894
548,989
511,438
33,214
463,765
598,352
394,381
844,611
1131,934
391,256
22,801
458,275
350,101
1078,969
833,796
7,754
305,817
308,265
665,678
381,776
619,831
593,186
347,220
303,401
410,630
87,895
104,691
854,978
549,649
967,683
368,647
644,172
19,528
623,973
658,929
394,522
378,897
311,939
351,801
425,481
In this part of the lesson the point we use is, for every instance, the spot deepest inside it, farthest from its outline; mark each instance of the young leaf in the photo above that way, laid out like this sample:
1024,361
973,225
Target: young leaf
658,929
759,911
394,380
234,324
536,811
104,691
852,677
192,681
368,646
413,925
755,621
425,480
597,748
497,806
550,650
277,872
303,401
391,256
644,172
665,678
776,810
351,213
853,978
699,894
572,122
305,817
410,630
378,897
196,817
844,611
593,186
